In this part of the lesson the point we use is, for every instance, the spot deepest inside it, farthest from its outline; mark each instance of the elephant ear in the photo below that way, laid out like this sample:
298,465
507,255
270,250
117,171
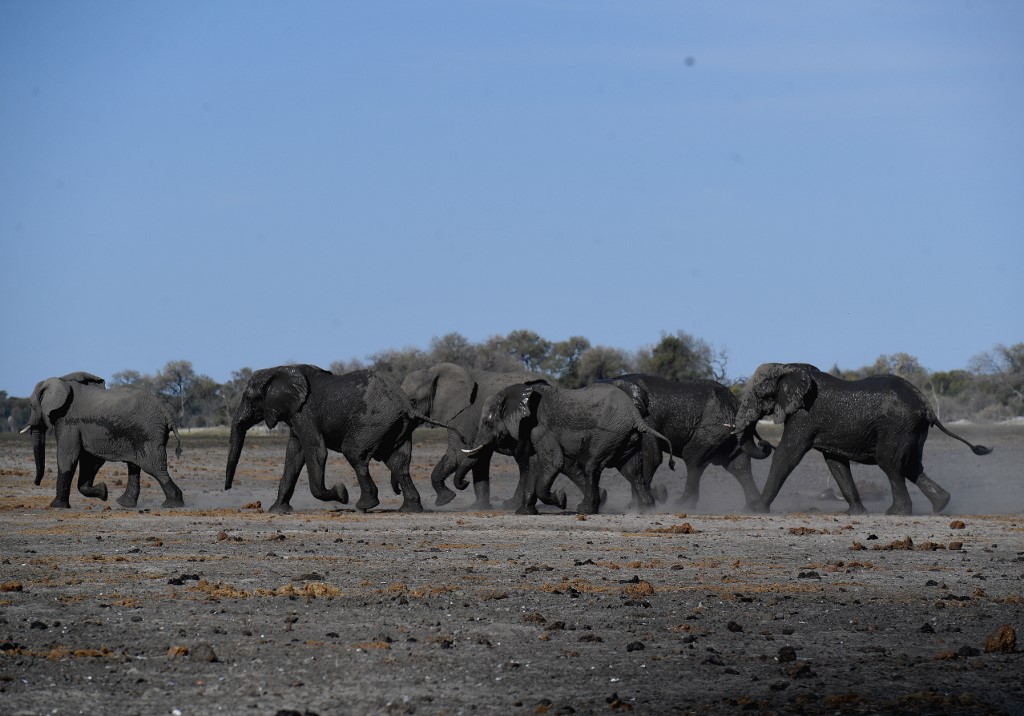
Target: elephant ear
452,391
794,391
520,415
52,397
286,393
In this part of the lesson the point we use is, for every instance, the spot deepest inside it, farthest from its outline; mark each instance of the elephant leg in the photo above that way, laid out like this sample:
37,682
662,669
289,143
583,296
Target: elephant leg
130,498
367,488
172,493
314,449
788,455
294,459
67,463
840,469
88,466
640,493
591,502
482,485
933,491
740,468
398,462
535,473
691,492
901,503
444,467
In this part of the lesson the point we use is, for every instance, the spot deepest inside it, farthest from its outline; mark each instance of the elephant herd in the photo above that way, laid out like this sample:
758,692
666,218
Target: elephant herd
627,423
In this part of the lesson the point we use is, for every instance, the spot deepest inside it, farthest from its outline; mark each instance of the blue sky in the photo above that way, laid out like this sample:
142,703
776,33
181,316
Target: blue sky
253,183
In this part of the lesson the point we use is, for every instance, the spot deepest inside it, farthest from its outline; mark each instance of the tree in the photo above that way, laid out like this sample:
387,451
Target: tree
340,367
494,355
528,348
452,348
231,391
563,361
678,356
399,363
1001,370
601,362
174,383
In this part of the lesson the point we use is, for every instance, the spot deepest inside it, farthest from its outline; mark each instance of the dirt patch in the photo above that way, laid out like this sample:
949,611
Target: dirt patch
223,607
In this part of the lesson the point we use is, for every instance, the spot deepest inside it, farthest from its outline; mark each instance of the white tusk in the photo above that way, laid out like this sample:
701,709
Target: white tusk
24,429
729,425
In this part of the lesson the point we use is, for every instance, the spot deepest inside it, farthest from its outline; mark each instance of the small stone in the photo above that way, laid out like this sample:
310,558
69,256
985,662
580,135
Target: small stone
927,629
734,627
956,546
1001,641
635,646
202,652
957,525
800,670
786,654
967,651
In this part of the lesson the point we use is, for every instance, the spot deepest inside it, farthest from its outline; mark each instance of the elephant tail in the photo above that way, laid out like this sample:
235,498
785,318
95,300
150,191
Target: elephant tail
661,438
977,449
174,428
420,417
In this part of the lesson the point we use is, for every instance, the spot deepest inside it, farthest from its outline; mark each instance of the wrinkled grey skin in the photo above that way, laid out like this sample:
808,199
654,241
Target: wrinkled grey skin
697,416
882,420
454,395
93,425
361,414
576,432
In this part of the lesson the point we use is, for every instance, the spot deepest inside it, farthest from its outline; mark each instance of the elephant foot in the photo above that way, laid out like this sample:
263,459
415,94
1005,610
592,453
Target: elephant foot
100,491
555,499
689,502
526,510
341,494
940,501
395,486
461,483
411,506
367,502
585,509
899,509
281,508
173,502
444,495
857,508
758,508
659,493
481,506
127,500
57,502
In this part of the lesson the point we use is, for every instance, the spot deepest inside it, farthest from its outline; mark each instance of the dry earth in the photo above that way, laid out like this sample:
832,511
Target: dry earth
223,608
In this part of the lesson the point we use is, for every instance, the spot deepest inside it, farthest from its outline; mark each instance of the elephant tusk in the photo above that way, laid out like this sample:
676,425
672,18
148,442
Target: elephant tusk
24,429
731,426
473,451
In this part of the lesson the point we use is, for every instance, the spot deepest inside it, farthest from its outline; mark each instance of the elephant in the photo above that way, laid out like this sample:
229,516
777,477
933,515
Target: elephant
361,414
93,425
455,395
882,420
697,416
575,431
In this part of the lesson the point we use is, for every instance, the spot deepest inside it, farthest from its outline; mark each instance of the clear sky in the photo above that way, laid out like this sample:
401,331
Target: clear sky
254,183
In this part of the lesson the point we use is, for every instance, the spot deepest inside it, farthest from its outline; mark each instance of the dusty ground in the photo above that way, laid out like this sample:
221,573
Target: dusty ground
220,607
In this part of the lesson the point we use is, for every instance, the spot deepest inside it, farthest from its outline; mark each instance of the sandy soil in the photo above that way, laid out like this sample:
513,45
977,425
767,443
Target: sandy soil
223,608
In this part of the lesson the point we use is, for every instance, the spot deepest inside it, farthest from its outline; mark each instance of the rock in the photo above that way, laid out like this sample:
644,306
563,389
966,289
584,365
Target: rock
202,652
786,654
1001,641
927,629
957,525
734,627
635,646
800,670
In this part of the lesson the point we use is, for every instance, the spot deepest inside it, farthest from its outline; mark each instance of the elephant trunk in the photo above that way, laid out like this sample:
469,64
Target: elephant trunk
238,430
753,444
39,451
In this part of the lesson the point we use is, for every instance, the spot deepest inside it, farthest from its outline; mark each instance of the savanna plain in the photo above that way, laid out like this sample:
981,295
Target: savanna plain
221,607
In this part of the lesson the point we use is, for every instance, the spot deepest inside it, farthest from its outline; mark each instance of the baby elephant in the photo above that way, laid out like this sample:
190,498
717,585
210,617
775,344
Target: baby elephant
94,425
577,432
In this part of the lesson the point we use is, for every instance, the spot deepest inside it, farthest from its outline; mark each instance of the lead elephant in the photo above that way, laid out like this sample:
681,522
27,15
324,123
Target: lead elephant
362,414
93,425
882,420
696,415
455,395
577,432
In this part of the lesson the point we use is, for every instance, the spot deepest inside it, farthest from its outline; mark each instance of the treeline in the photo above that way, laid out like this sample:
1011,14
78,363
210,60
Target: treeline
990,388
